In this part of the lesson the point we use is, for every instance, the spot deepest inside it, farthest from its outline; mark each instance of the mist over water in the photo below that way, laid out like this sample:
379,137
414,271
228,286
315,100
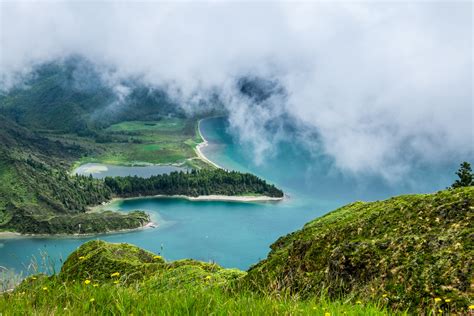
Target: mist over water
230,233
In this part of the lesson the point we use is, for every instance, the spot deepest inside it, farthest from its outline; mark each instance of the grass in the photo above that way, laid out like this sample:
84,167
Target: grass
411,249
164,125
167,141
101,278
52,298
164,141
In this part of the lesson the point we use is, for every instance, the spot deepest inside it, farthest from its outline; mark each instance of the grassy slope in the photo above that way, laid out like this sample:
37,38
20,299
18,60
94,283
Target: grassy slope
146,284
410,249
169,140
37,195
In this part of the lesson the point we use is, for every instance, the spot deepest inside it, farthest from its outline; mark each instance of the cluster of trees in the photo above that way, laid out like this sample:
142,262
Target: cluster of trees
465,175
194,183
60,192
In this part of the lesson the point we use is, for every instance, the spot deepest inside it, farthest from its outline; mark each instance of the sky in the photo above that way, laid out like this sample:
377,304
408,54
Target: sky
380,87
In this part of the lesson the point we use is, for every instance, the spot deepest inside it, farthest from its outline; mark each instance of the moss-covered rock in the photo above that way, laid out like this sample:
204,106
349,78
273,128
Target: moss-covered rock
406,250
192,273
99,260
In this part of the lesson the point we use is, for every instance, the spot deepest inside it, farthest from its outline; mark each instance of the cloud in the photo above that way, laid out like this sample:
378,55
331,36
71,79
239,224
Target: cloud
382,85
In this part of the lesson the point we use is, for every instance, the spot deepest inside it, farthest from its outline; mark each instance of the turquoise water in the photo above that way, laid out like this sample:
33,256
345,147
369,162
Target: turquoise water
100,171
230,233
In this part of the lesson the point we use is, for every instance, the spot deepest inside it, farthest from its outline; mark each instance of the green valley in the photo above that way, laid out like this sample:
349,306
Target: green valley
57,121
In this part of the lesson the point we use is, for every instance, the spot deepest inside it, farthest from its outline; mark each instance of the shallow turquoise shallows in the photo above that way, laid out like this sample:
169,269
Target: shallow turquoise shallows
230,233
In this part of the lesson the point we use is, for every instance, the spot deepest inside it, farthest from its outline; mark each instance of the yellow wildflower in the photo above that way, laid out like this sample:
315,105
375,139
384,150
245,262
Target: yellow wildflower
157,257
439,310
33,278
314,307
437,299
384,296
95,285
91,300
82,258
358,302
327,314
115,274
45,288
116,282
87,281
208,277
447,300
471,307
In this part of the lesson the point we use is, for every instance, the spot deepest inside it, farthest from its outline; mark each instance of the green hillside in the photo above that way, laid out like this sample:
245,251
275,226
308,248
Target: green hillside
37,195
411,254
409,249
72,96
108,279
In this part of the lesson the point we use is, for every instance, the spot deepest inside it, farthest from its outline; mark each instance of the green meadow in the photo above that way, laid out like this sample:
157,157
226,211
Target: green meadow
167,141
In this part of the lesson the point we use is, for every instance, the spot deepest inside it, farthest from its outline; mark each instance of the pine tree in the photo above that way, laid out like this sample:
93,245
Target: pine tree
466,177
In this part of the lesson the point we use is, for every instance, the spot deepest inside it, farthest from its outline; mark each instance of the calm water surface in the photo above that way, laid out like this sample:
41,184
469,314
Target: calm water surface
100,171
230,233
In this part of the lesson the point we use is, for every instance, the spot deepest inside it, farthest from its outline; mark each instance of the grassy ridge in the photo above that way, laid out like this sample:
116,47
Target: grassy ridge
101,278
409,249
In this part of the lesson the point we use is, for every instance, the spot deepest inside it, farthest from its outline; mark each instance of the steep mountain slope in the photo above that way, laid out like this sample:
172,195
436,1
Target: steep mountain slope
38,196
409,249
72,96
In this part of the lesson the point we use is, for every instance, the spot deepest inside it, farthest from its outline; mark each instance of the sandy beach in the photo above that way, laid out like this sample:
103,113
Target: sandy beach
10,234
226,198
202,145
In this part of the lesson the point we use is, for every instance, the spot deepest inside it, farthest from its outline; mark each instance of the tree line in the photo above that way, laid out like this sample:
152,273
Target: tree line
193,183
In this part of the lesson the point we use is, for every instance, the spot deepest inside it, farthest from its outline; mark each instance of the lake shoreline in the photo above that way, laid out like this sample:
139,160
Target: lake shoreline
11,234
203,144
216,198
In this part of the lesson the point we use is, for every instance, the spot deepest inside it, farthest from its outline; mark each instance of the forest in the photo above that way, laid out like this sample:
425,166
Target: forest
193,183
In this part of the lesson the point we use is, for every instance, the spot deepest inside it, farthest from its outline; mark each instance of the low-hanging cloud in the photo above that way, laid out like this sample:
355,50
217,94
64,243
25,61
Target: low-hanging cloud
381,84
